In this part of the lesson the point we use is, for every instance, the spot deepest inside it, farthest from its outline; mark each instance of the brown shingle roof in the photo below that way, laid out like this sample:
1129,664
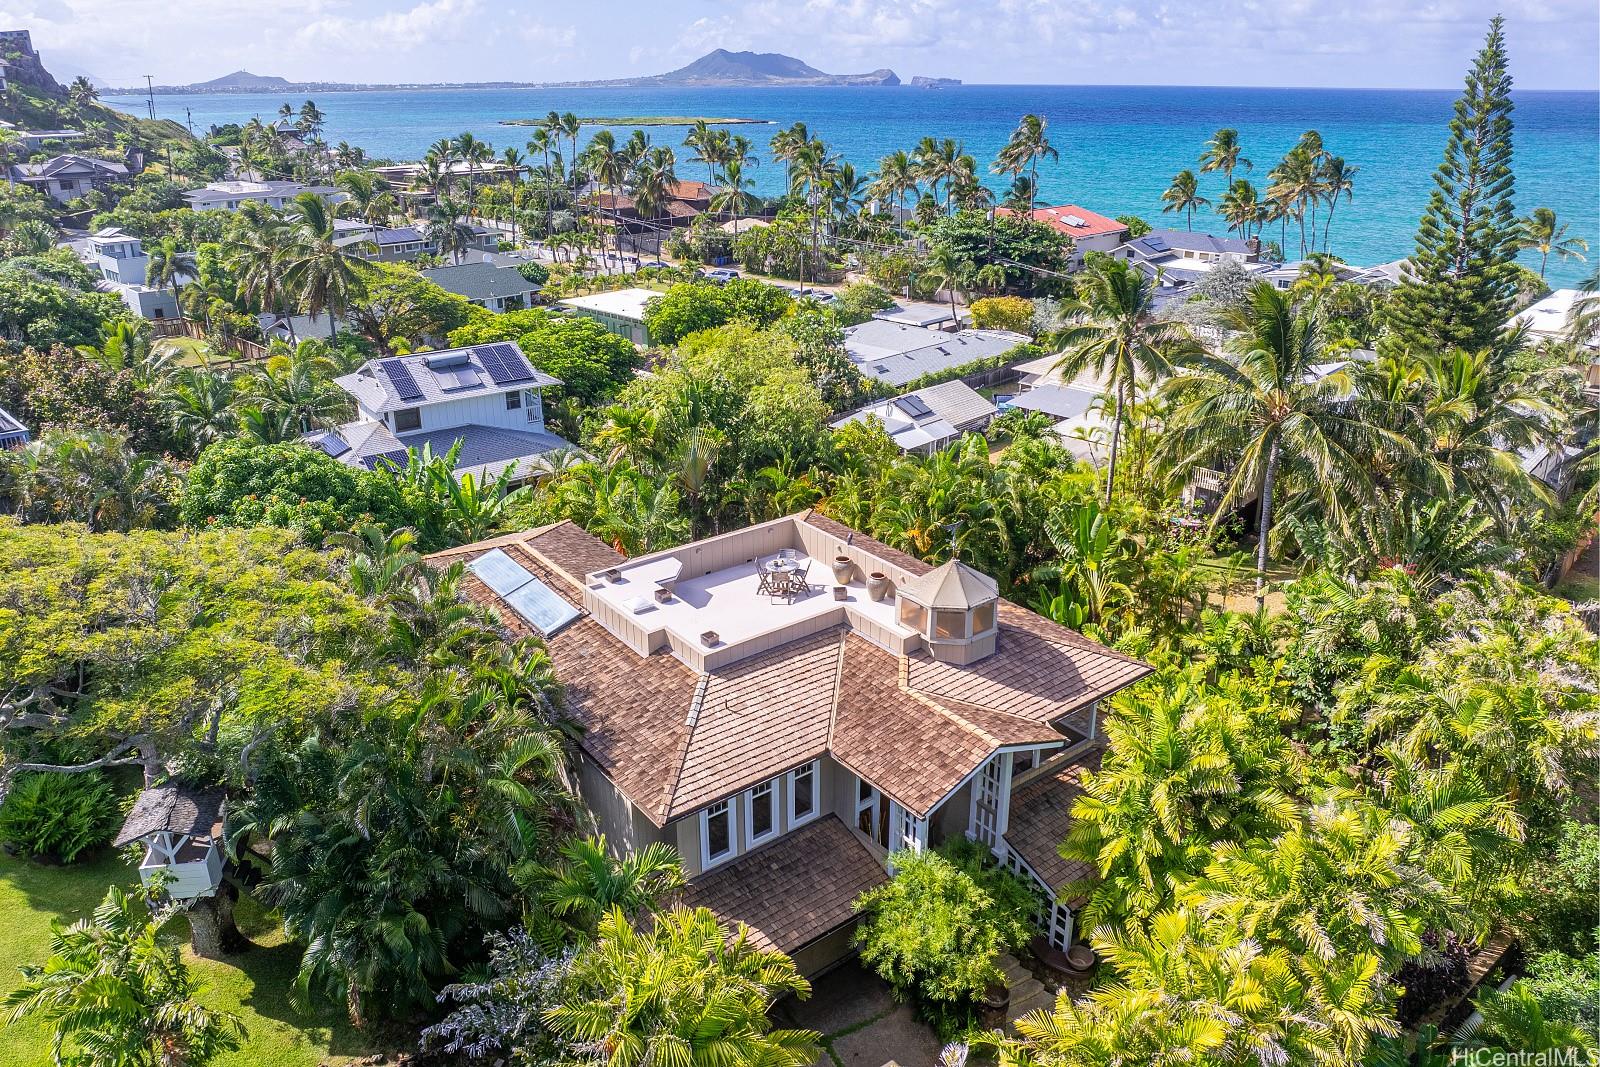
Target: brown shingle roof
794,890
173,809
1040,813
758,718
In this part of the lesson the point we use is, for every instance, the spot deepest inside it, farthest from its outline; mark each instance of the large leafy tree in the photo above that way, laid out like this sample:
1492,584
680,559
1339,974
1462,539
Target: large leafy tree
681,990
1462,278
116,994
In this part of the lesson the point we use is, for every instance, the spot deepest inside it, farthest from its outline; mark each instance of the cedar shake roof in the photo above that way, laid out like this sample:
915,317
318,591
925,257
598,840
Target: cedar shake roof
172,809
673,739
1040,813
793,891
756,719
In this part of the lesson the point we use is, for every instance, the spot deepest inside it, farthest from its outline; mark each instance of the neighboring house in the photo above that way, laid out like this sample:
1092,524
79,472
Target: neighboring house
142,300
925,421
486,285
487,397
398,245
896,354
70,176
917,313
788,746
1089,232
620,311
1079,422
1547,319
296,328
117,255
13,435
231,195
29,141
1182,257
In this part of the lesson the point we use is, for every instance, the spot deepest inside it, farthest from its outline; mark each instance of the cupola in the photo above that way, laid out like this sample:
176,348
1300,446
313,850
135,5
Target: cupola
953,607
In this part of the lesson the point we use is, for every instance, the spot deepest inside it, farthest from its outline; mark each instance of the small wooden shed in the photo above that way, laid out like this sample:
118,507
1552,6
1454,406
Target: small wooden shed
182,831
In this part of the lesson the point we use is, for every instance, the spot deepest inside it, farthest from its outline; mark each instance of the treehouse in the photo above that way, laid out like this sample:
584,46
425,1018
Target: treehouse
182,832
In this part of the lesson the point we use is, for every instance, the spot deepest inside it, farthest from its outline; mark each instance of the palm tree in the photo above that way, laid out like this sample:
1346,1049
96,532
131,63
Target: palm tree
1223,153
200,405
1541,232
1337,179
1026,146
542,142
1114,331
653,179
1514,1022
1297,186
681,991
321,274
170,265
514,161
447,231
117,994
380,561
1266,404
733,195
610,168
1241,207
82,92
588,882
1184,195
939,163
897,176
785,143
947,270
368,197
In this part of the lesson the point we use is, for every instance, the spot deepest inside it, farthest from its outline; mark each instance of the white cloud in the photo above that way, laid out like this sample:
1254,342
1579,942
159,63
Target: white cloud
426,23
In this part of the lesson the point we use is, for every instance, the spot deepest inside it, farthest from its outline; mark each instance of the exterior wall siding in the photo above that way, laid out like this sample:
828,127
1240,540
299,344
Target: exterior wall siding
488,409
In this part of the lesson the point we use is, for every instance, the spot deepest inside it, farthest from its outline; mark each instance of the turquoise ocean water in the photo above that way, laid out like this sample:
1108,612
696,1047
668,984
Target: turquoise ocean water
1119,145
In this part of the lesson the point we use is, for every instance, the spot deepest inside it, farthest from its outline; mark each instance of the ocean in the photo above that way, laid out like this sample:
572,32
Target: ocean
1119,145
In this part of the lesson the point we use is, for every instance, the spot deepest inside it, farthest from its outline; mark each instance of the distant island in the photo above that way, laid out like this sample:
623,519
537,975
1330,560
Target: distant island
921,82
720,68
645,120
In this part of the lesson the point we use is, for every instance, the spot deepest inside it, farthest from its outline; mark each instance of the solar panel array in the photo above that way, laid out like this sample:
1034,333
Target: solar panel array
505,363
913,406
400,377
331,443
536,602
454,378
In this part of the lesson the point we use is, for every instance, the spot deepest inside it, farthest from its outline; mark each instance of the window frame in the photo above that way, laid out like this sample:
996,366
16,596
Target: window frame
407,411
514,400
707,813
814,768
751,799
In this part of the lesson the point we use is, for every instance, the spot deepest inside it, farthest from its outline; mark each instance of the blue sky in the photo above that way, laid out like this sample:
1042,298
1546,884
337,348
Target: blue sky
1347,43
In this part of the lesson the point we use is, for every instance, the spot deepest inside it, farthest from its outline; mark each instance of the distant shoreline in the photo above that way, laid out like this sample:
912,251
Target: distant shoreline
647,120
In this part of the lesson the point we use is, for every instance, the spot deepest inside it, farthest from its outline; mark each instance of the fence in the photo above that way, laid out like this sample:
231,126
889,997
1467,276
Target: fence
241,350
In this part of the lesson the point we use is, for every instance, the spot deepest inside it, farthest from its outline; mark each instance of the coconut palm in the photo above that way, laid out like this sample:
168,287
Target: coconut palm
682,990
1223,153
1184,195
1241,207
1337,178
733,195
653,179
1542,233
116,994
1026,146
588,882
447,231
82,92
169,265
785,143
945,269
200,404
368,198
320,274
1267,403
939,162
1113,330
897,177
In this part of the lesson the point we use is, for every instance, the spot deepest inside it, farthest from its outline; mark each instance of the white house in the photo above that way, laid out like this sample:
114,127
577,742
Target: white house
70,176
232,195
1181,257
487,397
621,311
117,255
1548,318
926,420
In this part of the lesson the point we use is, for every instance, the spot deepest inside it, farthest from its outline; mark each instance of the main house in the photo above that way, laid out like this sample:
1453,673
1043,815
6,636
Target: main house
895,353
791,704
487,397
925,421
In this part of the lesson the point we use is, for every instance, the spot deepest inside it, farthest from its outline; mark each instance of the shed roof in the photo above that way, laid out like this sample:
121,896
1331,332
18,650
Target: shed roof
172,809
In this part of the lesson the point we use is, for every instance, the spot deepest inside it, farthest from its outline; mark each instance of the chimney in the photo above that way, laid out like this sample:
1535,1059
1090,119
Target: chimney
1253,243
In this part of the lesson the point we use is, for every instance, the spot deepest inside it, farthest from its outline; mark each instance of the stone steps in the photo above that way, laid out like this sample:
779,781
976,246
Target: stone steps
1026,992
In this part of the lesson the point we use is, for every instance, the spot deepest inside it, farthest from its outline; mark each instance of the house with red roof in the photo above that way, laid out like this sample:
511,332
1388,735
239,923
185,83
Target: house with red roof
1089,232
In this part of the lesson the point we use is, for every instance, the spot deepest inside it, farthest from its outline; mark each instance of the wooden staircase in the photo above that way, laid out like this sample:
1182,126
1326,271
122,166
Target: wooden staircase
1027,992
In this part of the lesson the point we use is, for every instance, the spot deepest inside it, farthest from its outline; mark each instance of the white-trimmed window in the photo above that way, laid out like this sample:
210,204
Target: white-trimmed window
804,785
716,833
514,400
762,820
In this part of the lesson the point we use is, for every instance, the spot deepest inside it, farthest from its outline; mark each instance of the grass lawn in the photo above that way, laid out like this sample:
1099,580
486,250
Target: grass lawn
187,351
253,985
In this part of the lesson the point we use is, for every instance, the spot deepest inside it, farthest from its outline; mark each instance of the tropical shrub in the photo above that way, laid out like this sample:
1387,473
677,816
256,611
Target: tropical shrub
58,816
1003,313
933,932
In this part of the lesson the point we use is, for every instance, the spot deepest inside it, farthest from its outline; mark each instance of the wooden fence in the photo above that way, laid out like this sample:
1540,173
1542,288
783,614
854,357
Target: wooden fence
241,350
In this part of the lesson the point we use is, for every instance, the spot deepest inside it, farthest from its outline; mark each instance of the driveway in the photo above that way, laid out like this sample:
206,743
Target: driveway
860,1022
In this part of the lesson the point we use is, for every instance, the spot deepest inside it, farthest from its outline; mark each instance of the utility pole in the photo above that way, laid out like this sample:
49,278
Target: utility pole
188,119
150,95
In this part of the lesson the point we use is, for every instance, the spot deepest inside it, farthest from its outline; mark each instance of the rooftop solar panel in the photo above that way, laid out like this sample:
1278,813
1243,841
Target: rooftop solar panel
400,377
332,444
913,406
451,379
505,363
446,360
500,572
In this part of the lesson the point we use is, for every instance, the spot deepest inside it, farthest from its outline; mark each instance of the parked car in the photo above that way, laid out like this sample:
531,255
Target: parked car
654,264
722,275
